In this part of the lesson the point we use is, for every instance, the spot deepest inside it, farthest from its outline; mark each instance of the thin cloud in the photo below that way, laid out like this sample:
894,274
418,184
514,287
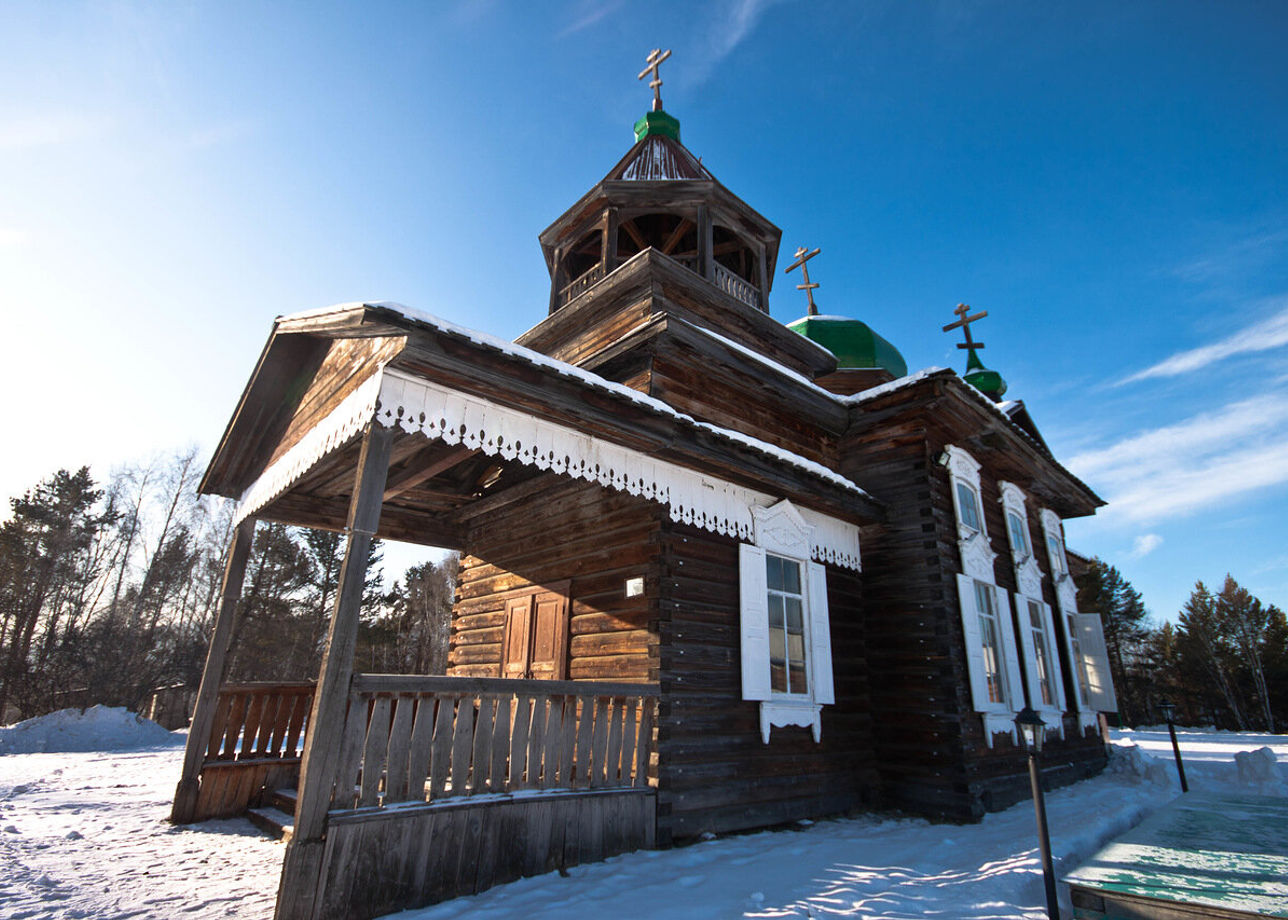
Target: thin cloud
49,130
1198,463
1144,545
587,15
1263,336
731,25
11,237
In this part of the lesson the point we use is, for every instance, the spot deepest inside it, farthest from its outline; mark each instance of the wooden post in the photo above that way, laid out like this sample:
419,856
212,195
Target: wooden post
762,254
706,251
302,865
203,713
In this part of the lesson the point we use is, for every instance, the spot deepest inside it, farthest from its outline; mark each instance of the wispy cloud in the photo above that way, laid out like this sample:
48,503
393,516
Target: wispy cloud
587,13
11,237
49,130
1234,259
1178,469
1144,545
1263,336
729,24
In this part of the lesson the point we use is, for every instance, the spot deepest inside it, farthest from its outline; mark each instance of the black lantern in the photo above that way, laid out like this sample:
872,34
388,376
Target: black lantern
1032,730
1168,709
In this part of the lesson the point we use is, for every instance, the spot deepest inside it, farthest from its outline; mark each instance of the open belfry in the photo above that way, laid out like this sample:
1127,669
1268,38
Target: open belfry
717,572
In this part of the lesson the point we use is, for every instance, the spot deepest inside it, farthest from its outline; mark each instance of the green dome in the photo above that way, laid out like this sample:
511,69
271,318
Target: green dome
853,342
990,383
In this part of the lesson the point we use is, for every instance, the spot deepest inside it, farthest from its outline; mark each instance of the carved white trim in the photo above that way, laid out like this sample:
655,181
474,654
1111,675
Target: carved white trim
781,530
791,712
341,424
1028,576
977,555
420,406
1066,591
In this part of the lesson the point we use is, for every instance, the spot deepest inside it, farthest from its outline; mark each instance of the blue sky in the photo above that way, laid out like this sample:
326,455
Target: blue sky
1106,179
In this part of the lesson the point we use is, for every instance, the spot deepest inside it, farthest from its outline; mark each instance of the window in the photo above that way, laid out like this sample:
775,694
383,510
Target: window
968,504
1079,669
990,632
786,636
1044,692
786,625
1059,568
1019,533
991,659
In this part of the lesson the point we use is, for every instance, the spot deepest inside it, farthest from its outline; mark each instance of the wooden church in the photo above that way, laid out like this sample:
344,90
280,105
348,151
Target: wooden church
718,573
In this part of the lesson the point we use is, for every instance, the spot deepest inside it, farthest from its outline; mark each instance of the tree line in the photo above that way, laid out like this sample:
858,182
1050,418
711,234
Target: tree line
1224,662
108,591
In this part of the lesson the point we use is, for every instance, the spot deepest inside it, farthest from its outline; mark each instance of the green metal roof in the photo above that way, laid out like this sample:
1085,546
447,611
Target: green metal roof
853,342
988,382
657,124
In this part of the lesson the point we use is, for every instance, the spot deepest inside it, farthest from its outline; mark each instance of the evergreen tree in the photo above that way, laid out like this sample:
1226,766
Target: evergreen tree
1101,588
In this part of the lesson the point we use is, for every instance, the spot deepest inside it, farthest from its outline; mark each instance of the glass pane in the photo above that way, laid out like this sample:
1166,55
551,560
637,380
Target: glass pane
969,507
984,598
992,667
775,611
1018,540
1035,616
774,572
791,576
795,621
798,685
1056,556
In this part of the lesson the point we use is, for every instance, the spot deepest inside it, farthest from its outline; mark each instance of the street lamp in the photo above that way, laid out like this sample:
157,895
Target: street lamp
1168,709
1032,733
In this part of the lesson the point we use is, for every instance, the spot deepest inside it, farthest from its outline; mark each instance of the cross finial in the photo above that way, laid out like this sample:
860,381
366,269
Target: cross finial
963,323
655,58
803,256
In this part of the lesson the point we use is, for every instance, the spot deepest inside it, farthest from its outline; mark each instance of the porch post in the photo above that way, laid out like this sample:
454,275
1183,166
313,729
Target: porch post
203,713
302,865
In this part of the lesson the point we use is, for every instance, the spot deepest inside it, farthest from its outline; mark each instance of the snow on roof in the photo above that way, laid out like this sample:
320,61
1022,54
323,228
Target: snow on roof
889,387
589,378
769,362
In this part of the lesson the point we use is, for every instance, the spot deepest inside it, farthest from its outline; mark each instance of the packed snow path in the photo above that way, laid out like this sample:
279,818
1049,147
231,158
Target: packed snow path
84,835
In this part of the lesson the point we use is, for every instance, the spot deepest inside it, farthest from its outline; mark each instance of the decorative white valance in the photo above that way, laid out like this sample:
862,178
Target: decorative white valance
420,406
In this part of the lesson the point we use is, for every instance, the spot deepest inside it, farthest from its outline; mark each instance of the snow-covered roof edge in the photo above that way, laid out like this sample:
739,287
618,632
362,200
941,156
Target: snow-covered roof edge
590,378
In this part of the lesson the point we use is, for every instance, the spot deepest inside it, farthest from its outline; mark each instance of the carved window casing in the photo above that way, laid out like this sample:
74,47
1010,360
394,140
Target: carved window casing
997,689
1036,624
786,637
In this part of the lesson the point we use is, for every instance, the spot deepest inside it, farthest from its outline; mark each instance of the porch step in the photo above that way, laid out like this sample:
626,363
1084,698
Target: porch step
276,816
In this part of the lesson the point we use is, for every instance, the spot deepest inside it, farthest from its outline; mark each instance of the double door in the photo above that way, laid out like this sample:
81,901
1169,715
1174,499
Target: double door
535,644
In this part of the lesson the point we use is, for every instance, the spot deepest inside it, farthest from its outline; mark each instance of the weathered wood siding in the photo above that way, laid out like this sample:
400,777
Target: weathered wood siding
932,753
714,771
578,532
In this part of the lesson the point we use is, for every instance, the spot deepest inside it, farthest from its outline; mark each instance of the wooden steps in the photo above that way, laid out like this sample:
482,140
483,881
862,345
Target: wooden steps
276,817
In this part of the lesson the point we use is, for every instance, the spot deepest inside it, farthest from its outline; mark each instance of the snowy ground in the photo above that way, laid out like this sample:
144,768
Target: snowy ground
83,835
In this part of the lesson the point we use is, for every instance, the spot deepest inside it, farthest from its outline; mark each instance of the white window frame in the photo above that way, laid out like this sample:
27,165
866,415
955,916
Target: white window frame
1028,579
782,531
977,558
1066,595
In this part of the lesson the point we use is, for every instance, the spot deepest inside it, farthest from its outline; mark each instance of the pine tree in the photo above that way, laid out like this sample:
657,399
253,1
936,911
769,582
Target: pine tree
1102,588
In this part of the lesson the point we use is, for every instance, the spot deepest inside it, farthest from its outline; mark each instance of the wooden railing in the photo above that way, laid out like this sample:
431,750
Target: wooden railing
732,284
418,739
580,284
259,721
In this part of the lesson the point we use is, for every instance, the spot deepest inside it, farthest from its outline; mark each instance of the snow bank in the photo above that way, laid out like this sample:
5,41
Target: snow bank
100,728
1259,771
1128,762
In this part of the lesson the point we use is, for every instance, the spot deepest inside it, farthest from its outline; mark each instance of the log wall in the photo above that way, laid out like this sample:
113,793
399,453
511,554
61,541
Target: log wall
714,771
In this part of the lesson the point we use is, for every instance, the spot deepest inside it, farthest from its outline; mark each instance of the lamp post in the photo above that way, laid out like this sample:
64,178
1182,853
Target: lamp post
1168,709
1032,732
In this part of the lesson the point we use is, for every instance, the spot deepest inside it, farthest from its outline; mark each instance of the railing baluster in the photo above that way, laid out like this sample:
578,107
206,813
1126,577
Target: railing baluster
462,745
501,744
399,743
422,736
519,741
482,759
440,759
630,729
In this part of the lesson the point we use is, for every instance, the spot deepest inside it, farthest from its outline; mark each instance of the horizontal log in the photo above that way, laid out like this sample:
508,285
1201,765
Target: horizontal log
474,686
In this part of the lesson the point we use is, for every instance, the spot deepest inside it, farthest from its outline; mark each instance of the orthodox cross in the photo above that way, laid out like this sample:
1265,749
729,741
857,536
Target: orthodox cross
655,59
803,256
963,323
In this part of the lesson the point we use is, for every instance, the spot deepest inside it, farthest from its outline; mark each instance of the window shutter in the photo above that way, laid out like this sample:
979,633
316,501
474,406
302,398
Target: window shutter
1010,654
755,622
549,636
1028,652
1091,635
974,644
820,635
1074,704
1057,675
517,642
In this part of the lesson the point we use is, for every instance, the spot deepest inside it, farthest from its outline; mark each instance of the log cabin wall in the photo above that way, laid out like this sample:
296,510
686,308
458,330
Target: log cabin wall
933,756
714,771
577,533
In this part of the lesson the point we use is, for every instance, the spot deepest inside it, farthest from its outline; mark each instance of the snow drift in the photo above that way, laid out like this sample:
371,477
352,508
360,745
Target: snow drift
100,728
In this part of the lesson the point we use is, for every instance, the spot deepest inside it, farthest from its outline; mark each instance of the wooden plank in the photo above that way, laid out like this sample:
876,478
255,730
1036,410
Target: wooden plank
355,734
554,742
585,725
422,736
599,741
399,746
613,752
299,716
374,752
645,745
441,756
281,722
219,722
568,742
463,745
425,466
481,762
250,725
537,741
503,726
416,683
630,736
519,742
232,731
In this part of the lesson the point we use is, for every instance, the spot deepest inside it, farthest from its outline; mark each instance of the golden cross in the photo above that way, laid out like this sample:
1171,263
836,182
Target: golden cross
655,59
963,323
803,256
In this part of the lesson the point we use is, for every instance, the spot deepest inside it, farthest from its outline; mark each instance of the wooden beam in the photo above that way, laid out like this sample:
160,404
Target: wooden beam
302,865
678,232
634,234
525,489
203,714
426,466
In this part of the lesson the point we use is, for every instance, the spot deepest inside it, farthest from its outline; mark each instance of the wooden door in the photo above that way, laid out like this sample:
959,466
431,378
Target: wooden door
536,634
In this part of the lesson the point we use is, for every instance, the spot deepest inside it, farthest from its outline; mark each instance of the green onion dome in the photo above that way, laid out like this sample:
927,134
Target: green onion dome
990,383
853,342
